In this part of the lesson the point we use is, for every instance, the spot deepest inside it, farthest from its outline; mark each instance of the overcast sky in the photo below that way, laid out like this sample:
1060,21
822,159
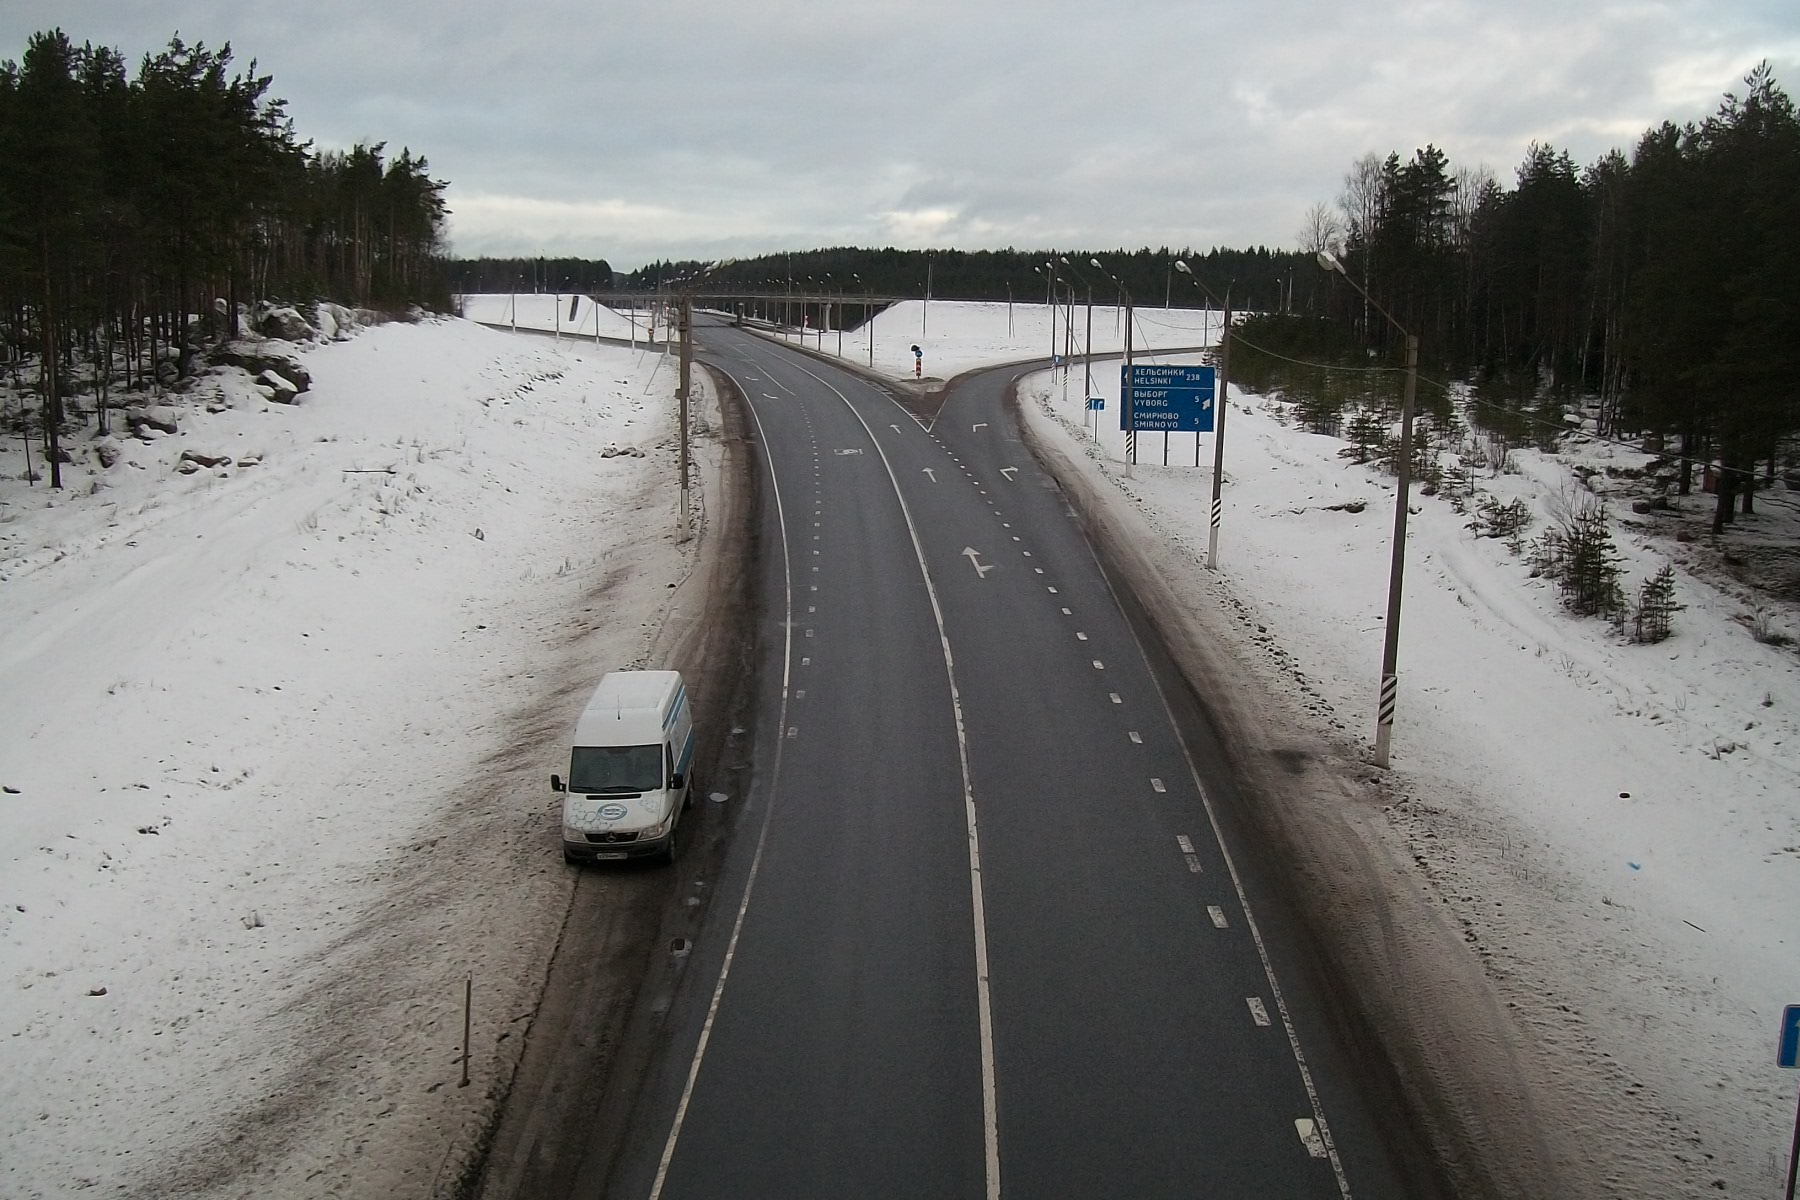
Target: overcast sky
633,131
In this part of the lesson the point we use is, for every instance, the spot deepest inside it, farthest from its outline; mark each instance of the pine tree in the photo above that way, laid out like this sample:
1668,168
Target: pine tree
1651,619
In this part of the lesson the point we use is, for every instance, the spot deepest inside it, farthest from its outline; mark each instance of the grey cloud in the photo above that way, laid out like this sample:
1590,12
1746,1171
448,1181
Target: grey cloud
708,128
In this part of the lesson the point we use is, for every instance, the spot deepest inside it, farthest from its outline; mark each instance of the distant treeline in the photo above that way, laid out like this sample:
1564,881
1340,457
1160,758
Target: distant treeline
1258,278
1665,283
128,203
492,275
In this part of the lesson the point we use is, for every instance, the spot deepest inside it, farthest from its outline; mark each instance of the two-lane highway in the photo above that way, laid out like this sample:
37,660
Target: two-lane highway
979,933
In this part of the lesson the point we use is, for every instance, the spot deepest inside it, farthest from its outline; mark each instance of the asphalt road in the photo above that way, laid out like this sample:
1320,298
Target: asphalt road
978,933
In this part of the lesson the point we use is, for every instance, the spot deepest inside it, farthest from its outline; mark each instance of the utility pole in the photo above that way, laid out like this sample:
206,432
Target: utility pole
1125,391
687,363
1218,503
1087,360
926,311
1390,645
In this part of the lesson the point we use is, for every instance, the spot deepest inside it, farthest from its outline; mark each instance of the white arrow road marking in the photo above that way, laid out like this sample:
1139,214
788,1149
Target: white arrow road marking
930,472
978,425
974,557
1009,472
1309,1136
895,428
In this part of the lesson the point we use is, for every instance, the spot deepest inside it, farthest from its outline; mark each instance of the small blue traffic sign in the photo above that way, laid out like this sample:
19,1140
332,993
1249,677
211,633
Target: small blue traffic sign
1789,1054
1096,403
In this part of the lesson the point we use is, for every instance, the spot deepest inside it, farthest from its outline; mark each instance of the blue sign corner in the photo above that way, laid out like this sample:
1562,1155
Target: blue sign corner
1789,1053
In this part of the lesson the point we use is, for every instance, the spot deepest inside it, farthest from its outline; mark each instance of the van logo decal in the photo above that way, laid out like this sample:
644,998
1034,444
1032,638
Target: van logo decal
612,812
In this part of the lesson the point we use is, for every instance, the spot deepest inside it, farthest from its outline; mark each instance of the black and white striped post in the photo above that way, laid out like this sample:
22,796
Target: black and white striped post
1218,491
1390,648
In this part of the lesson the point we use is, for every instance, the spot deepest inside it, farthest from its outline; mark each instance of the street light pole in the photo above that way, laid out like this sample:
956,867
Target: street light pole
1390,647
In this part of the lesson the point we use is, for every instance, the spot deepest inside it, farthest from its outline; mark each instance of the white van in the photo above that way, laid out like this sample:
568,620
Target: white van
630,769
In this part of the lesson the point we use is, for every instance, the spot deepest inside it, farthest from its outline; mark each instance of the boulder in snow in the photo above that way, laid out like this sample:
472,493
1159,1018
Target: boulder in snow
109,452
203,459
162,418
254,359
281,321
280,390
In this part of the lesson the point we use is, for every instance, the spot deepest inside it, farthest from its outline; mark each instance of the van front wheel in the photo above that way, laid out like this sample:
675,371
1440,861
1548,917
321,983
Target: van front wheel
668,854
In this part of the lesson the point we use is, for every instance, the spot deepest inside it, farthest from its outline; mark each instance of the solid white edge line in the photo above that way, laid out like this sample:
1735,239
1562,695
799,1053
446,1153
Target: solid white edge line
1237,883
762,837
984,1005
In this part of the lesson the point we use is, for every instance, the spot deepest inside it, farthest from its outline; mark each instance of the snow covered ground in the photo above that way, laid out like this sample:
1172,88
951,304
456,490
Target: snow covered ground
957,335
253,719
274,736
1614,826
572,316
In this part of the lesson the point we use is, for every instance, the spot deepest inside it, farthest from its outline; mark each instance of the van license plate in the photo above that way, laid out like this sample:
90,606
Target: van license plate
610,856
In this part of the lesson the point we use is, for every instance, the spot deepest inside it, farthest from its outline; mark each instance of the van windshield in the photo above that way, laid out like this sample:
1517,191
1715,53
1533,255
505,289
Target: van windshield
616,769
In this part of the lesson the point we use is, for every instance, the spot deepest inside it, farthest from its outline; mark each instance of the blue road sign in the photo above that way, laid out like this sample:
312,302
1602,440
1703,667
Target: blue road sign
1096,403
1168,399
1789,1054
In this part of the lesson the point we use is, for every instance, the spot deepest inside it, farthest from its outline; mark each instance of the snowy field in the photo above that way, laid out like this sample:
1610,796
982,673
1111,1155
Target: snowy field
274,738
574,317
253,718
1614,826
957,336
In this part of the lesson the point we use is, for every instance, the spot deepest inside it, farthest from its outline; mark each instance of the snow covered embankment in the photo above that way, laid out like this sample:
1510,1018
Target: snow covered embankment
1611,826
273,735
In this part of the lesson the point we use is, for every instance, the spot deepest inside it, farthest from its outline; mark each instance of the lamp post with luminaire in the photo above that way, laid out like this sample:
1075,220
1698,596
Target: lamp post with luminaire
1390,650
1125,391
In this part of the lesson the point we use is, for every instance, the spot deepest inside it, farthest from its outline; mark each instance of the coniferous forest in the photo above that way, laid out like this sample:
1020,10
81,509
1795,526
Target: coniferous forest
130,201
1663,283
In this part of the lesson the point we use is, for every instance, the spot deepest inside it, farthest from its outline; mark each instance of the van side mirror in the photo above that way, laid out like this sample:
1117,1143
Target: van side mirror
676,782
556,783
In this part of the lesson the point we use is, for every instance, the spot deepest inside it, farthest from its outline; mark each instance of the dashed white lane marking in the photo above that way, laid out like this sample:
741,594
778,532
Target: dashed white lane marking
1040,571
809,633
984,1007
1015,537
806,662
1218,916
1080,637
1114,697
1185,842
1156,785
1193,863
1051,590
1137,739
812,608
1309,1136
799,693
1027,554
793,729
1260,1015
1098,665
1067,613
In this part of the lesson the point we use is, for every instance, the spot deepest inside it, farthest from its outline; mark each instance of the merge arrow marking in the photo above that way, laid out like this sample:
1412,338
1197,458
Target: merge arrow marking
1009,472
978,425
974,557
930,472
